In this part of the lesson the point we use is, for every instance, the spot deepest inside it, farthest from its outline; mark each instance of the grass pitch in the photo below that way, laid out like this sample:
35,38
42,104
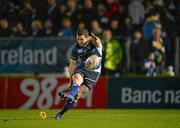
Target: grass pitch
94,118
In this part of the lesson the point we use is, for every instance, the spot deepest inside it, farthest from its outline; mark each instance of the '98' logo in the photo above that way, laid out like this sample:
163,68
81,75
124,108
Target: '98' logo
40,92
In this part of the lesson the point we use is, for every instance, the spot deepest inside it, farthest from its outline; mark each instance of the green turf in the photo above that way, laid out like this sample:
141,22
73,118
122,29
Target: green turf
92,119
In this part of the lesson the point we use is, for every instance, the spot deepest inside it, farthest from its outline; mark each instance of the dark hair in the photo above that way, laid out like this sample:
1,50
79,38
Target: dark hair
81,32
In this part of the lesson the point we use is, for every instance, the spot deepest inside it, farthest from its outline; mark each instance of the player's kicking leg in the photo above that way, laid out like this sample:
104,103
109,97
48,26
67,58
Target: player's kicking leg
69,104
77,80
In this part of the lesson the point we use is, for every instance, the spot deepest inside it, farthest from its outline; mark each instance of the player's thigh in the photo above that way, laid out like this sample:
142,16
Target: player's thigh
77,78
83,89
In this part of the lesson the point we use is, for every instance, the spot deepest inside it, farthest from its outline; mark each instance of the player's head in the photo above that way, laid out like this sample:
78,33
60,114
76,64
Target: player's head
82,36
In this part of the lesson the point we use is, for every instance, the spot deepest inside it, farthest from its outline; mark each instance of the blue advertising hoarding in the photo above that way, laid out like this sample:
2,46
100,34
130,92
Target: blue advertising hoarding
34,55
144,93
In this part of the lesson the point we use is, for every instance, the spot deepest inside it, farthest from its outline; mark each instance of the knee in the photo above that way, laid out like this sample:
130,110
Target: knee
77,78
74,77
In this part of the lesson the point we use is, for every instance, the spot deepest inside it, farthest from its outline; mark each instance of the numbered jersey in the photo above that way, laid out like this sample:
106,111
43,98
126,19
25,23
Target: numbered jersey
80,54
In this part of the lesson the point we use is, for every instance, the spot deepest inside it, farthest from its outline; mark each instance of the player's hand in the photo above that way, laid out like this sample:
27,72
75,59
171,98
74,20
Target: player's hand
95,39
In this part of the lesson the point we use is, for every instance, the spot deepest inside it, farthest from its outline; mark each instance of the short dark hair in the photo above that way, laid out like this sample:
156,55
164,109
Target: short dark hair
81,32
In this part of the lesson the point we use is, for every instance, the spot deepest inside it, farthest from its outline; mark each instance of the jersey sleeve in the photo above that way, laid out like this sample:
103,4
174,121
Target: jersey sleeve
100,49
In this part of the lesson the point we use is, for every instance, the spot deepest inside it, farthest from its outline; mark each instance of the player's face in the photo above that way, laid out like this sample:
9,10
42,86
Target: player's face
81,40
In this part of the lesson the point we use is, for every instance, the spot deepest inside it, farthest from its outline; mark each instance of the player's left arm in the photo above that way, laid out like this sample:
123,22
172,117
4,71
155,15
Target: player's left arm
95,40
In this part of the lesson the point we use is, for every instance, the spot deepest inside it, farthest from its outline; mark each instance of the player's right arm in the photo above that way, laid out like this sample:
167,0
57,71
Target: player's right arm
73,62
72,66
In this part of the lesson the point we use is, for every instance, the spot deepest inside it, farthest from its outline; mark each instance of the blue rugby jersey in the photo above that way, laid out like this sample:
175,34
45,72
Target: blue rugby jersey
80,54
